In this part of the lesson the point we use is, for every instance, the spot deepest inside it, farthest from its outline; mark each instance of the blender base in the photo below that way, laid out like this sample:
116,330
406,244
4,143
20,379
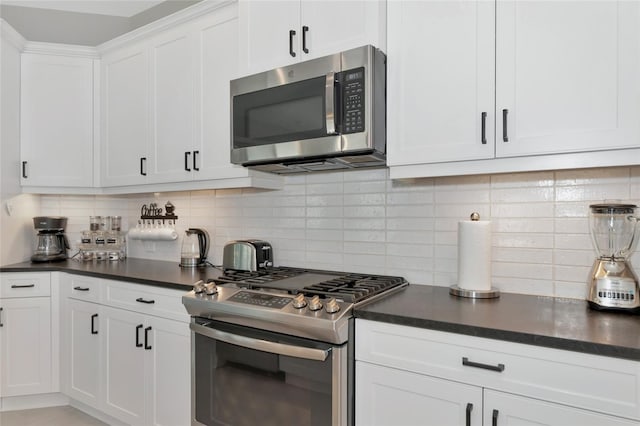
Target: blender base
613,286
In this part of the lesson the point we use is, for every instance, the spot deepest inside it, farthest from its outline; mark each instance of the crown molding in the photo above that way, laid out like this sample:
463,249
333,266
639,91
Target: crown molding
61,49
180,17
11,35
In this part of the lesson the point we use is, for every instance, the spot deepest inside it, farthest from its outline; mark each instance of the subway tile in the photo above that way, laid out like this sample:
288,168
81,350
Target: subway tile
410,211
544,241
364,247
364,199
523,226
570,290
572,241
325,223
324,200
533,286
361,223
611,175
522,195
572,225
399,198
373,236
593,193
578,274
364,211
371,187
521,180
511,254
410,224
522,210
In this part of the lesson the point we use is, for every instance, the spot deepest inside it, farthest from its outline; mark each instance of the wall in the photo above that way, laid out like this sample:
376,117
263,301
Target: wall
362,221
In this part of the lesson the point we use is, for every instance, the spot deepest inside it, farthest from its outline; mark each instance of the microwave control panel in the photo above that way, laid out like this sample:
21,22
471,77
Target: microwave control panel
352,82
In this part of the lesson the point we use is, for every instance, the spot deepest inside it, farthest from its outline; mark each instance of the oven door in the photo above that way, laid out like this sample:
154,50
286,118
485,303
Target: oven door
245,377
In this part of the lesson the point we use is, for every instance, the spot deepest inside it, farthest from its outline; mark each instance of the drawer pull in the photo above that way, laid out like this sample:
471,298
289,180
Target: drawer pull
81,288
469,408
499,368
23,285
1,324
149,302
483,137
494,418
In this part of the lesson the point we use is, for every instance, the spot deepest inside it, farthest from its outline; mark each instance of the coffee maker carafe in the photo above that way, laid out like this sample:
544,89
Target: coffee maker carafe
51,242
613,285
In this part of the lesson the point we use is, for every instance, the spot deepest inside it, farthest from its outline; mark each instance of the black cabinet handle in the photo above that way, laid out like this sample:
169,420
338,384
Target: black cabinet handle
484,128
23,285
305,29
505,137
1,323
81,288
186,161
147,346
142,168
149,302
494,418
499,368
291,34
138,328
195,164
24,169
469,408
93,324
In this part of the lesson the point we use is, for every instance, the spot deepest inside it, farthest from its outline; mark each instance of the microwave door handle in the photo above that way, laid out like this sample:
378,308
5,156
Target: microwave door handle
329,106
261,345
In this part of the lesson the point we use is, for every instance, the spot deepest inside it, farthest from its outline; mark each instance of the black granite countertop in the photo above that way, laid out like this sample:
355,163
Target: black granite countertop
141,271
536,320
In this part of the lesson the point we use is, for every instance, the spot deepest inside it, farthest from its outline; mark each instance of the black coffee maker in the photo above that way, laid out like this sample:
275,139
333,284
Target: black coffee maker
51,242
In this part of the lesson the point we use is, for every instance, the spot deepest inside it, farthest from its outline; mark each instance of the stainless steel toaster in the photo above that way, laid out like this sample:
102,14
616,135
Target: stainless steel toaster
247,255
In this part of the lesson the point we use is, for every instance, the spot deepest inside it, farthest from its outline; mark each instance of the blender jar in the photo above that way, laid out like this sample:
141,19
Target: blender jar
613,230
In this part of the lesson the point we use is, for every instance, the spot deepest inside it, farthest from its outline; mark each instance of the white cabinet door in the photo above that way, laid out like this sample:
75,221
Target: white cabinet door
269,34
336,25
84,347
25,340
390,397
124,372
440,81
503,409
56,123
567,76
168,367
125,117
217,45
173,99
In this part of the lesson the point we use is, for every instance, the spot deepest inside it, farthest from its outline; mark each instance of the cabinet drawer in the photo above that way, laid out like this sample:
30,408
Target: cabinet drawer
608,385
162,302
25,284
84,288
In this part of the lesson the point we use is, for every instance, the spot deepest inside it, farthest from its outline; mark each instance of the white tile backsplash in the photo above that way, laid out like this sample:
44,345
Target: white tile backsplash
362,221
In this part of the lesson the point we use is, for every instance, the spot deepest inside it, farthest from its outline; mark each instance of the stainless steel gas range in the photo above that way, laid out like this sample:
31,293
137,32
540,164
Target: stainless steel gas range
275,347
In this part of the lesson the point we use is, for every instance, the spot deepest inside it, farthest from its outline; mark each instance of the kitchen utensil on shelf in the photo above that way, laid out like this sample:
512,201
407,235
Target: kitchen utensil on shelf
613,285
195,248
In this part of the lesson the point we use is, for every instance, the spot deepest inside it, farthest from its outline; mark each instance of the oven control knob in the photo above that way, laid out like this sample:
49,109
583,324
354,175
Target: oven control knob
198,287
331,306
315,304
299,301
210,288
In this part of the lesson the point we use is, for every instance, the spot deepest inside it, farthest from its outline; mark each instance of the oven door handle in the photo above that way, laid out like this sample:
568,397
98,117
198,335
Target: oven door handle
261,345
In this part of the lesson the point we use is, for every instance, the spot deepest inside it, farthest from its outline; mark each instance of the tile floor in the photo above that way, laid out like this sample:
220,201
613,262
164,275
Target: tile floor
52,416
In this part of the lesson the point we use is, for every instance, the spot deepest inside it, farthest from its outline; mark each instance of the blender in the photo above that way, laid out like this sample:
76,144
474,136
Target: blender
613,285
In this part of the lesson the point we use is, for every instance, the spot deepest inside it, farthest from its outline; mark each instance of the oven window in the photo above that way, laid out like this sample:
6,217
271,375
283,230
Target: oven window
294,111
238,386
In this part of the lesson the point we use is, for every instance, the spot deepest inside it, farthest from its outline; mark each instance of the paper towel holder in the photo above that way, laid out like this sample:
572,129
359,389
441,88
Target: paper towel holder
455,290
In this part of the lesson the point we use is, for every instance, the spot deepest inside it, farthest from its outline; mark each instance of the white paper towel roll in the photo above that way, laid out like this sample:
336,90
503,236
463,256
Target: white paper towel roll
474,255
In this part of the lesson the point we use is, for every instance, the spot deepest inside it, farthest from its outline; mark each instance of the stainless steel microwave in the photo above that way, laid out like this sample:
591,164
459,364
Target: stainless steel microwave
322,114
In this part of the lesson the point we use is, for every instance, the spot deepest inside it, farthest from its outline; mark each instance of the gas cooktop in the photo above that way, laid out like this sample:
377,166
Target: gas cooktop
303,302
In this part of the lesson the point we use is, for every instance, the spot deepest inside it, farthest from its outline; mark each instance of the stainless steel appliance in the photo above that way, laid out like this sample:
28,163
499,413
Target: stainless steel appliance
326,113
195,248
51,242
275,346
247,255
613,285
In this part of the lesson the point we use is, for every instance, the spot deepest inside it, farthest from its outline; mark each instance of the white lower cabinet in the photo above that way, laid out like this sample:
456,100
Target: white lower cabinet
131,364
26,366
408,376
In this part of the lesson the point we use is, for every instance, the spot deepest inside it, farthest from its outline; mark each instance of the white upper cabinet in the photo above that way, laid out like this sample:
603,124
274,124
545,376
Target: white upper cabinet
125,116
512,85
441,81
567,76
56,120
278,33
